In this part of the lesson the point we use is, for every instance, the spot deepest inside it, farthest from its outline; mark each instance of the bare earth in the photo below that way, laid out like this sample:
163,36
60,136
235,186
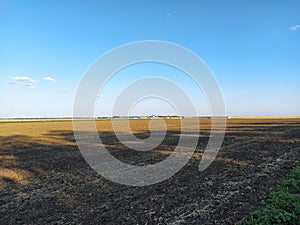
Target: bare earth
45,180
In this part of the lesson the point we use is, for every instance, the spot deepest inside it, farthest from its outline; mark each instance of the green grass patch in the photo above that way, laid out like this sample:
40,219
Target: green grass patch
282,205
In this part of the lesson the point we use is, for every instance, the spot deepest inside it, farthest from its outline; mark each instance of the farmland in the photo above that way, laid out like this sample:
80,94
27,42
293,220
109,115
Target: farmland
45,180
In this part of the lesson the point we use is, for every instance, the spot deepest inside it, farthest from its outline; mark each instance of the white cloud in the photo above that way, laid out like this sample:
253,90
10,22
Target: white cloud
296,27
23,79
29,85
27,81
49,78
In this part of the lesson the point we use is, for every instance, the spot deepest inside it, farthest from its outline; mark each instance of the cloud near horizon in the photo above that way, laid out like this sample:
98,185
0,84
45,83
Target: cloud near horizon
26,80
296,27
49,79
29,84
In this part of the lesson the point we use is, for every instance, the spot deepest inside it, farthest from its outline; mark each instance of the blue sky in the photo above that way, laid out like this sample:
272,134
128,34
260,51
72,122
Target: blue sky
252,47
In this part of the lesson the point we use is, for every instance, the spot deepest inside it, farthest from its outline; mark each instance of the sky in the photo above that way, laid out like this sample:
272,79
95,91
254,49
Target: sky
252,48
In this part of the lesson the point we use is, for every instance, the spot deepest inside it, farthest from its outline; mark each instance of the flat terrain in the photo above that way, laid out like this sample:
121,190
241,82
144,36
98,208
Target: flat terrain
45,180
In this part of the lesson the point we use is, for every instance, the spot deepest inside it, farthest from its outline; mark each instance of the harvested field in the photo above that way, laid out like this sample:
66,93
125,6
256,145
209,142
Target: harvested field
45,180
